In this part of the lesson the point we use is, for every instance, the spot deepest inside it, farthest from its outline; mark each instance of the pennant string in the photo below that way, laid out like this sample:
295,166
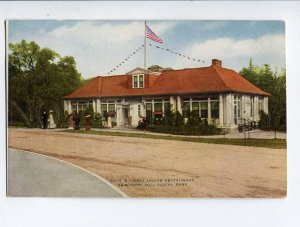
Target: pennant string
156,47
126,59
179,54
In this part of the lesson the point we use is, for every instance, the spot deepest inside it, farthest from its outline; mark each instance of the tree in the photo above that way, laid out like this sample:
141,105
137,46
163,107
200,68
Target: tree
273,82
38,78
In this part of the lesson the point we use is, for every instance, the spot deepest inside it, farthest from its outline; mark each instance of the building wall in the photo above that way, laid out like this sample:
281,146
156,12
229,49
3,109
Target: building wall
249,108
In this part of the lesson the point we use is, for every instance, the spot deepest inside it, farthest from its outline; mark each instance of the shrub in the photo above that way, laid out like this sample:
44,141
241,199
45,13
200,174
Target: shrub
157,120
97,121
113,123
194,119
264,120
169,117
179,120
185,129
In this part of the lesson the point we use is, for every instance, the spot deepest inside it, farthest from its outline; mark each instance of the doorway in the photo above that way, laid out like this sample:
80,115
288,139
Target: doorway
126,114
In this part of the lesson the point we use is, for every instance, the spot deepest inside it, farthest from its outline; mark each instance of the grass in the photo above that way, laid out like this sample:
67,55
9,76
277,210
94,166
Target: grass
269,143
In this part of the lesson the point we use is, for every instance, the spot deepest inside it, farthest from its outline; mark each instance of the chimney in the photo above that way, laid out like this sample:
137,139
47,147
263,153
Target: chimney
216,62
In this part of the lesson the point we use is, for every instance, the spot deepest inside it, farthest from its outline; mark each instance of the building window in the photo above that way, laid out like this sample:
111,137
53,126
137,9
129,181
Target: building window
138,81
214,107
251,106
260,104
196,109
103,109
203,109
111,107
141,81
237,108
135,81
74,106
108,108
167,106
186,109
158,107
149,113
81,105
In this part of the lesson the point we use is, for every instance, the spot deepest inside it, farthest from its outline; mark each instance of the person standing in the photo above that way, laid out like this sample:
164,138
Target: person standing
76,119
87,121
45,119
51,120
70,121
129,121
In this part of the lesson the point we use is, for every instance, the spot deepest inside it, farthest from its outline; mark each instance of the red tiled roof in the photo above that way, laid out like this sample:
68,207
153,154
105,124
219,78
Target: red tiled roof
193,80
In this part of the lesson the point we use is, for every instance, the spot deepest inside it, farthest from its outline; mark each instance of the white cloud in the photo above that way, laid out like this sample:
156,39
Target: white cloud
268,49
98,47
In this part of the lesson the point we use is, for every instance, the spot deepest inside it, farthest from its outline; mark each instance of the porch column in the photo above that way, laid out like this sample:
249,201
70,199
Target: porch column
221,110
255,109
172,104
153,108
66,105
98,106
208,110
243,106
70,106
229,115
179,108
266,109
94,105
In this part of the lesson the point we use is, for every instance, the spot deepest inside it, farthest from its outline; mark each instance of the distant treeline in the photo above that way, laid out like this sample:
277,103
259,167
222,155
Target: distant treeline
273,82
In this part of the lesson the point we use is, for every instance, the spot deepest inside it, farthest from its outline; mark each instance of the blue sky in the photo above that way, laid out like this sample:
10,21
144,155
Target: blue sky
98,46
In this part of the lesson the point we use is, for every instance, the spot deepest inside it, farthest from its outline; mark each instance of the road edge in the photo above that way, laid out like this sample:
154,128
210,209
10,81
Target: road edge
123,194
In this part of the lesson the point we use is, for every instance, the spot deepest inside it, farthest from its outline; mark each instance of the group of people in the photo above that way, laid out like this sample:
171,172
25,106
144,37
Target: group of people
142,123
74,121
48,120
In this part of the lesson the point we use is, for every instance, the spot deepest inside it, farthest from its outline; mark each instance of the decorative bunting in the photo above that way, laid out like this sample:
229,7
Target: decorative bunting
126,59
181,55
157,47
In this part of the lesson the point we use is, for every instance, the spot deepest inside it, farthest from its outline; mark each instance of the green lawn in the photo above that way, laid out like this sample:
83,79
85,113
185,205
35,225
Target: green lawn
270,143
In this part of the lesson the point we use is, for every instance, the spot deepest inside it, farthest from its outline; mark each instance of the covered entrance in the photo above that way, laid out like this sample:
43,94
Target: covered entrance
129,114
123,113
126,114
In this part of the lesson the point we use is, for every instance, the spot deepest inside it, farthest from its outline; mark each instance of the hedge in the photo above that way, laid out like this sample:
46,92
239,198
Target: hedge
185,129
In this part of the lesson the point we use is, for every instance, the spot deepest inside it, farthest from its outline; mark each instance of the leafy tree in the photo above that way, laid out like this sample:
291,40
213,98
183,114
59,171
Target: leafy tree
273,82
38,78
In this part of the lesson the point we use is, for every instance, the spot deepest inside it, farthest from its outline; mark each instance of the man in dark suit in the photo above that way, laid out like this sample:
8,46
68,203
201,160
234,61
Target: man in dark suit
45,119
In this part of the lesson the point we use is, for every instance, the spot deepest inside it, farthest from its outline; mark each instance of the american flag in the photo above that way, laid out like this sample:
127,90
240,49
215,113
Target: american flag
151,35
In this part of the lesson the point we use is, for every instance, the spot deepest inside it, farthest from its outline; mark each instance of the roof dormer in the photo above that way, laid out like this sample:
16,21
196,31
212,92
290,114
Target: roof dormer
137,70
136,78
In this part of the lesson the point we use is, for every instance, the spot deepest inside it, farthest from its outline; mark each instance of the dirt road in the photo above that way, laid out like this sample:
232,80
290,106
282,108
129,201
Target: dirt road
162,168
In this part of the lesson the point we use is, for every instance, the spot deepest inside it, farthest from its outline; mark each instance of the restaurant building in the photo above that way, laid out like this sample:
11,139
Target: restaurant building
220,95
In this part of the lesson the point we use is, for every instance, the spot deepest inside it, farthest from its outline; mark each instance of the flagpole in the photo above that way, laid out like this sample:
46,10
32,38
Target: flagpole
145,65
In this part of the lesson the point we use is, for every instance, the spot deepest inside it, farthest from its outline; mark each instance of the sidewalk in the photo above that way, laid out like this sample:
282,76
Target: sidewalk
255,134
34,175
234,134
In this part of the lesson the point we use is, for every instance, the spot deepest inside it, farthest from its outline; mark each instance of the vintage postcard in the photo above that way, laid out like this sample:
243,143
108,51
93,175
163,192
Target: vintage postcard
182,109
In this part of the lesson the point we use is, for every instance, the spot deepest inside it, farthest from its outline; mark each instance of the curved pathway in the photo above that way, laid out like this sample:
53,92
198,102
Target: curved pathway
31,174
